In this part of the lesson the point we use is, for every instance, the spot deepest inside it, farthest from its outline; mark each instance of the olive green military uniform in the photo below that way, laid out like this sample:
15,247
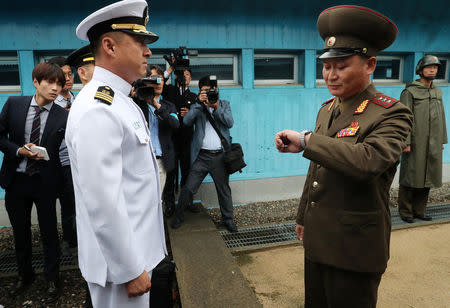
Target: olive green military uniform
422,167
344,206
354,154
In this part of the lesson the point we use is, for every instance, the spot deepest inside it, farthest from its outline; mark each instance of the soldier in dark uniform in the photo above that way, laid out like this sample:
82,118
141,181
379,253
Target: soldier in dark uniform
343,216
83,61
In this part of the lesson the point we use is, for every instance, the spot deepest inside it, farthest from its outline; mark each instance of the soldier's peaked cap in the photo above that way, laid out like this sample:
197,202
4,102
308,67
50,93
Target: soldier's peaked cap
129,16
80,57
350,29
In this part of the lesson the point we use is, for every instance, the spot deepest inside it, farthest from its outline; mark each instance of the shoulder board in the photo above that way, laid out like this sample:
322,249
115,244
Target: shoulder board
328,101
383,100
105,95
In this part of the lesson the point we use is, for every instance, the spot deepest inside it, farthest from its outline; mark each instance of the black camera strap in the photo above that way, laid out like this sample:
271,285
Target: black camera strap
213,124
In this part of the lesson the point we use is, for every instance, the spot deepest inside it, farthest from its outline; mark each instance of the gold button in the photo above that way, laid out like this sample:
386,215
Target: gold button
315,184
313,204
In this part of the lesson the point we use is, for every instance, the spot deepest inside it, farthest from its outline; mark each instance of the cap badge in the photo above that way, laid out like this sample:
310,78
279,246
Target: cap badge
145,16
331,41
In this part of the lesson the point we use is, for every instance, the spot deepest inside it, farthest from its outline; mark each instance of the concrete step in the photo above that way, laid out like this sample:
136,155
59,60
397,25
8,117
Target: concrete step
207,274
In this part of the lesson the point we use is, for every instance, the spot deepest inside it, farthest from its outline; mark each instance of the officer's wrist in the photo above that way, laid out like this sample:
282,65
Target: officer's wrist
303,134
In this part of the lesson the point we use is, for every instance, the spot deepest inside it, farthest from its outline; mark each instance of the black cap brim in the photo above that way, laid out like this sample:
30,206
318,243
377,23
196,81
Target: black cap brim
336,53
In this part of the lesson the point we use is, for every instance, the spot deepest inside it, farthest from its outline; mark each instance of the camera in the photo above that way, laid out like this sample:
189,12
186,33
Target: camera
180,62
213,95
141,89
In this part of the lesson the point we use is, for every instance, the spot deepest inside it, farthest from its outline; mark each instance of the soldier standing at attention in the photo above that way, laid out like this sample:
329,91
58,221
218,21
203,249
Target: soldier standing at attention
343,216
421,164
115,173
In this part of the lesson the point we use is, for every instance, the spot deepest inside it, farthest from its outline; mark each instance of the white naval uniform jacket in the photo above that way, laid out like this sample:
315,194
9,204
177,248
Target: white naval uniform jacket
116,182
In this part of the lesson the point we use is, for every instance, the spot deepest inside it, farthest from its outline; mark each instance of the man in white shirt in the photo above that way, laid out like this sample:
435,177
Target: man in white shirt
117,190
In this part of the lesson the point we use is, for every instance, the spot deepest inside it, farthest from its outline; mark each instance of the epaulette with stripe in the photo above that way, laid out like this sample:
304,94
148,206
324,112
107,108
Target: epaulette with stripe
105,95
328,101
383,100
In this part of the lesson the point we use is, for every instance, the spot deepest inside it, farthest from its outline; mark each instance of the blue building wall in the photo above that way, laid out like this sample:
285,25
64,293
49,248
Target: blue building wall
31,27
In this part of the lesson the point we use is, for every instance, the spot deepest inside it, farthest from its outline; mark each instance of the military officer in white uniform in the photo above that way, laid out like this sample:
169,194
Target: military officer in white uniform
115,174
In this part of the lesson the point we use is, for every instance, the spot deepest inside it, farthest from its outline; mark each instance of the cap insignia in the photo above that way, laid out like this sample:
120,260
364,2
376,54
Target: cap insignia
145,16
331,41
105,95
361,107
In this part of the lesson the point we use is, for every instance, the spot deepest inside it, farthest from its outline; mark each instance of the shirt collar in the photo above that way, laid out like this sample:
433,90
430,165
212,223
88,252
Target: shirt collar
112,80
46,107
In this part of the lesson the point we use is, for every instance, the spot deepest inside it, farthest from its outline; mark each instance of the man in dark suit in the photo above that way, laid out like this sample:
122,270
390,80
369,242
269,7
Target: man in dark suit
183,98
27,177
343,217
207,152
161,116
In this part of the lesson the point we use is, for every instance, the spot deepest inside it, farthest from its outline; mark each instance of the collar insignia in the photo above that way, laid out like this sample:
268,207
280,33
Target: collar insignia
360,109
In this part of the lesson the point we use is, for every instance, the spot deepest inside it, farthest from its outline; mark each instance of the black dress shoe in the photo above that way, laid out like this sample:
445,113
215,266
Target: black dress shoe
176,222
423,217
407,219
229,224
22,285
52,291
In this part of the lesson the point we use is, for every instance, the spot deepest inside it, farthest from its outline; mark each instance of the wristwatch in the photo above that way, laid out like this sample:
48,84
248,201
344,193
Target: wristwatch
302,137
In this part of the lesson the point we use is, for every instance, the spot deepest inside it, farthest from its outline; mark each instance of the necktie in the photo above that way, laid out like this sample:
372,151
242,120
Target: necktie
32,165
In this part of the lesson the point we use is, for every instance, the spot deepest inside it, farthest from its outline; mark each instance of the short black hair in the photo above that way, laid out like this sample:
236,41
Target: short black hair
60,61
157,68
206,81
50,72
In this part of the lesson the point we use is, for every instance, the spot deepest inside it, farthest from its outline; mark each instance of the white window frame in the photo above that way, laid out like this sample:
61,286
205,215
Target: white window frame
294,80
228,82
10,60
400,73
447,70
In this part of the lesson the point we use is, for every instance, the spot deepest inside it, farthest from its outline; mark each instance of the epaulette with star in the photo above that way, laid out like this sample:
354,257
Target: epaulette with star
383,100
105,95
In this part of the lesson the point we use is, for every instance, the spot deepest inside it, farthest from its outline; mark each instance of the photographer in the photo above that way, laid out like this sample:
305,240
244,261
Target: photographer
161,118
183,98
207,152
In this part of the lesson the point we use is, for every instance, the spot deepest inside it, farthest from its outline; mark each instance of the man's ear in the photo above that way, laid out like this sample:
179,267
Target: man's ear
108,44
371,65
35,82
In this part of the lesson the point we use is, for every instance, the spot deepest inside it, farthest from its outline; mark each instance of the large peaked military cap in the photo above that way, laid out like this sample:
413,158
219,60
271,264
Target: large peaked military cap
350,29
129,16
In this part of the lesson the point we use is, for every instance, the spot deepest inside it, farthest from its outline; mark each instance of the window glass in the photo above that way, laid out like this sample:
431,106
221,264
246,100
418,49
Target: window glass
9,73
388,69
273,68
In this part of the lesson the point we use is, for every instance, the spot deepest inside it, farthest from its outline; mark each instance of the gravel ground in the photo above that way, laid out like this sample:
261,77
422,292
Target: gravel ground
73,290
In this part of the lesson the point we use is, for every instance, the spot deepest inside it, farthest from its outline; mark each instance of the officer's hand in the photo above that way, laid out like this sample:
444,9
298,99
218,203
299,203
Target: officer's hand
407,149
183,111
299,230
30,155
139,285
288,141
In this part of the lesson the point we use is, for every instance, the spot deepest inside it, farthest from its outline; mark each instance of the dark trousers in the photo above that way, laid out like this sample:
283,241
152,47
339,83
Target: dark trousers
330,287
214,165
183,160
412,201
67,201
19,198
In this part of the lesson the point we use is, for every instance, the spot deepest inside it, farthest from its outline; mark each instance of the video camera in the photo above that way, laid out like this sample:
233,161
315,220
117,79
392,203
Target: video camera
142,91
180,62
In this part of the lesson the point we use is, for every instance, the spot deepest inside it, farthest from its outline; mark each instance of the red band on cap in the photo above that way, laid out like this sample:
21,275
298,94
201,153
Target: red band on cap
361,8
